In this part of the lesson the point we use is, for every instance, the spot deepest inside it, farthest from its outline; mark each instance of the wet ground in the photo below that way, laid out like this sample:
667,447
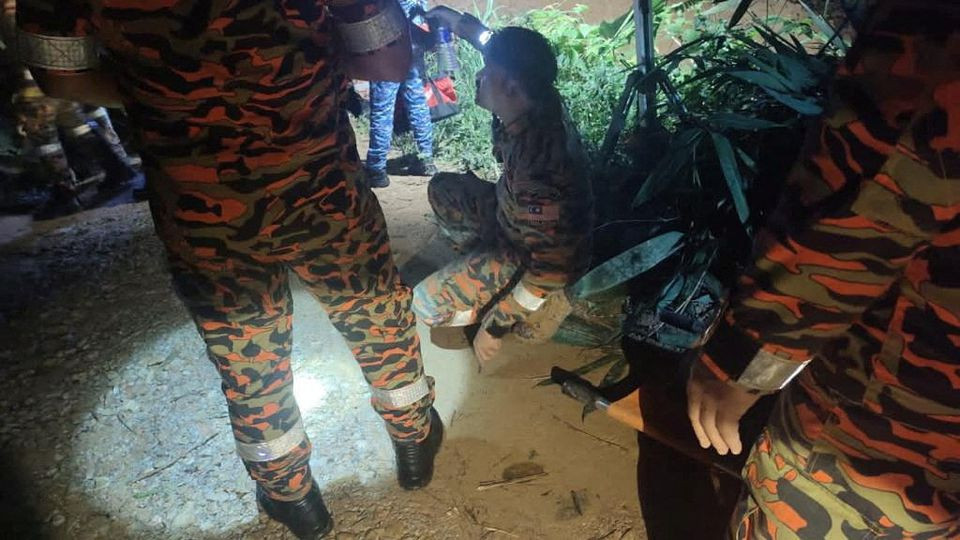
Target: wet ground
114,425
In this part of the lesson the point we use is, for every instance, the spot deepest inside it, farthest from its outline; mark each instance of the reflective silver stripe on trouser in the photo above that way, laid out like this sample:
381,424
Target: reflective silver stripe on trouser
403,397
275,449
55,52
80,130
527,299
768,372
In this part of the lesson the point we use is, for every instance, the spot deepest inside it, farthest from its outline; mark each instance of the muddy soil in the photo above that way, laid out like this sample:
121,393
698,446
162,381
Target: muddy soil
114,425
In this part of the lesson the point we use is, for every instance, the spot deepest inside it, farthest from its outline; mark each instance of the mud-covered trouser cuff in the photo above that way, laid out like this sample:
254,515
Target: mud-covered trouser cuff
406,409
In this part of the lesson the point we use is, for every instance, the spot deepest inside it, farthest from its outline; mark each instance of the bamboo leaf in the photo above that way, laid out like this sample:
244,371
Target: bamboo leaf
669,168
803,105
628,265
763,80
731,173
747,160
615,373
738,13
740,121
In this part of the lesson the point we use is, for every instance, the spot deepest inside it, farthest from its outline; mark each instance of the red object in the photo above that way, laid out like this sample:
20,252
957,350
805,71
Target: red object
441,100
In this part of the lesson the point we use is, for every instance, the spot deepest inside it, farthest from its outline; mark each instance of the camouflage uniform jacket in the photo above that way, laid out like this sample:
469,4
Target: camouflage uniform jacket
860,264
544,207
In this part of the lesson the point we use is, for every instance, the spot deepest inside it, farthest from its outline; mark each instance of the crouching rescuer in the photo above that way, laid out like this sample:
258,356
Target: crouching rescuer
526,236
253,172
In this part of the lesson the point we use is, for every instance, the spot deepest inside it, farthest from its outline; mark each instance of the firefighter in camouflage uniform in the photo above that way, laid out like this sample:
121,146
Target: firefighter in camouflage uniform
383,99
66,145
44,155
855,291
527,235
253,172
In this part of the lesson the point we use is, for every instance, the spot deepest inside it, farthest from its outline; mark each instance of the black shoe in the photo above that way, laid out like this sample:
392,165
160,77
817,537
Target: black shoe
377,178
307,519
415,459
423,167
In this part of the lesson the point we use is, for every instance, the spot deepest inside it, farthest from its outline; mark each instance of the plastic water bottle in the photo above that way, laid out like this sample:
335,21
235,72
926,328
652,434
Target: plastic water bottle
446,52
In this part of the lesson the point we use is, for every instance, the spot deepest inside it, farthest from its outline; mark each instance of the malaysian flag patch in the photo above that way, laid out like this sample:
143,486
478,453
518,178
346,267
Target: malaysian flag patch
541,212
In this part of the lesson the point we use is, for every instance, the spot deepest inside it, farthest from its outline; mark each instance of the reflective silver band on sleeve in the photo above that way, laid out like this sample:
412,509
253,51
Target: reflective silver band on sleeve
527,299
80,130
374,33
403,397
56,52
768,372
461,318
275,449
99,112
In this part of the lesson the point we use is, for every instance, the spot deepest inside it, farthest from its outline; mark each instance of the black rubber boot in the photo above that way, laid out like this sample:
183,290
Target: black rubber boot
307,519
415,459
376,178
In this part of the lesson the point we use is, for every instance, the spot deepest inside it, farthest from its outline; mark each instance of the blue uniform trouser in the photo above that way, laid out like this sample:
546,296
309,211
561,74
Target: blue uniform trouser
383,95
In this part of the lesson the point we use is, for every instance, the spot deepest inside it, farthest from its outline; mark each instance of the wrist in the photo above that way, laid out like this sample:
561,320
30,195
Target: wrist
368,26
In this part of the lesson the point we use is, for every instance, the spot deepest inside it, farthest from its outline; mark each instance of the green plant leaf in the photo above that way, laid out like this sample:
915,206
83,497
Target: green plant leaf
763,80
628,265
612,28
747,160
671,167
615,373
803,105
738,13
731,173
740,121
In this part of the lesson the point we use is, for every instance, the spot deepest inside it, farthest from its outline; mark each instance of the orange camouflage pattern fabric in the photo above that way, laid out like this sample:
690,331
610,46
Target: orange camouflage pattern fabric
530,229
238,107
859,269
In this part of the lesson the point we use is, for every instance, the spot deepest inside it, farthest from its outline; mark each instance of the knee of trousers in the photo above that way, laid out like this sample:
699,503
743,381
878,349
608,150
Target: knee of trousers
442,191
432,311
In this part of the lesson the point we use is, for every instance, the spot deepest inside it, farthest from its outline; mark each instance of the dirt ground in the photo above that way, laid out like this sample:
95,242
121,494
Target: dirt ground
114,425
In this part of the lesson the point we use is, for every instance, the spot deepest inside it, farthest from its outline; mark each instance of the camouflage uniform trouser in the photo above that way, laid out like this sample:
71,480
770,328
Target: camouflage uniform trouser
383,98
230,267
462,292
466,208
95,146
816,473
36,117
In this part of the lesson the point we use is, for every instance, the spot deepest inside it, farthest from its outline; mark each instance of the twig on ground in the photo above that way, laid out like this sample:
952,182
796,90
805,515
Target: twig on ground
576,503
174,462
502,483
625,533
488,528
124,424
601,439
